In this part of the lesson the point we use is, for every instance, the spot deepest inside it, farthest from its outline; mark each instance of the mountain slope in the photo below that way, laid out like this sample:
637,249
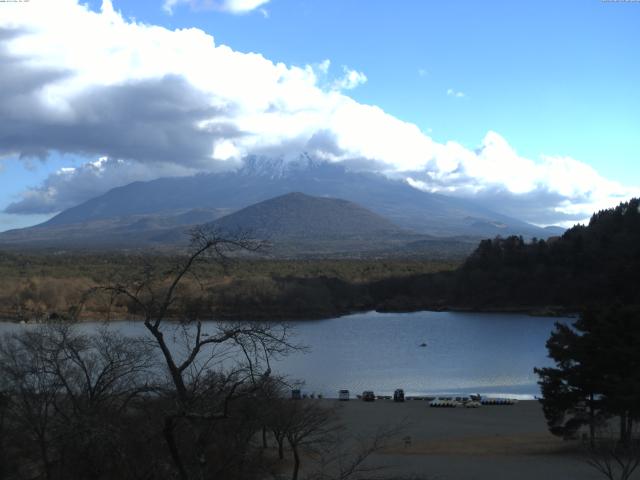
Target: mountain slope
140,211
262,178
300,225
296,215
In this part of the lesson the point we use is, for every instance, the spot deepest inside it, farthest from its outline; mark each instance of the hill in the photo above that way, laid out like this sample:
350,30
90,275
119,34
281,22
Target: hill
296,224
296,215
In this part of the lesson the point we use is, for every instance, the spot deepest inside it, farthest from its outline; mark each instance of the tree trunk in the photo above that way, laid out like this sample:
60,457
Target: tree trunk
175,373
296,462
623,428
173,448
280,441
45,459
201,456
592,422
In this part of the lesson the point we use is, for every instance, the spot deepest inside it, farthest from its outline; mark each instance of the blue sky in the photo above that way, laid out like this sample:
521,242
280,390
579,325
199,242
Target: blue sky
552,78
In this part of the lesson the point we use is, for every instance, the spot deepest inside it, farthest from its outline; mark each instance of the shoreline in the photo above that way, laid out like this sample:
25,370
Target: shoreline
545,311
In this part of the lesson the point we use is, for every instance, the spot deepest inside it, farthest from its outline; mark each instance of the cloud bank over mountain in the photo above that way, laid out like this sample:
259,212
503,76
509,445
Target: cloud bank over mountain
148,102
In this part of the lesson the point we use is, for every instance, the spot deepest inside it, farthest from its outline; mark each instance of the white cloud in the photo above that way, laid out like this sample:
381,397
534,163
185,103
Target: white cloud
173,102
323,66
568,189
453,93
69,186
422,72
230,6
350,80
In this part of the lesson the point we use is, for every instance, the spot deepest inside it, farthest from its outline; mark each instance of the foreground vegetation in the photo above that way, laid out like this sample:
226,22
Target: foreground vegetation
184,402
103,406
597,373
595,386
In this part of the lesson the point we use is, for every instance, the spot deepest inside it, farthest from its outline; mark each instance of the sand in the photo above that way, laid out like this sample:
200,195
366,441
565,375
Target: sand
490,442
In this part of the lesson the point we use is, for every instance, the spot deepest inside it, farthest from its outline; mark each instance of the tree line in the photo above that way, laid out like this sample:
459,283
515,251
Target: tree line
590,265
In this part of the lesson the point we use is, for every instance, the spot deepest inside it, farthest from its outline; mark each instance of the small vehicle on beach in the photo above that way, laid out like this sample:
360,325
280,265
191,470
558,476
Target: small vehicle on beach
498,401
343,395
398,395
368,396
444,402
468,402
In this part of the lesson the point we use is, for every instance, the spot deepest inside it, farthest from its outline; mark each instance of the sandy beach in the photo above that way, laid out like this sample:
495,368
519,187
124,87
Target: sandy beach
490,442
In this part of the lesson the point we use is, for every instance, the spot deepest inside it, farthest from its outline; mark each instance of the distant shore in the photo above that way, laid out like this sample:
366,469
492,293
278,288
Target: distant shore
545,311
41,287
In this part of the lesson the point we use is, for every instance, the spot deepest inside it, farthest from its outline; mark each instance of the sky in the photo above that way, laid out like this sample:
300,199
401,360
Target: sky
531,108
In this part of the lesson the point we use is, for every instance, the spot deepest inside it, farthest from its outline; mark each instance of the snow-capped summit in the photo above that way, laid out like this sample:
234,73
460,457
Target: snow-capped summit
280,166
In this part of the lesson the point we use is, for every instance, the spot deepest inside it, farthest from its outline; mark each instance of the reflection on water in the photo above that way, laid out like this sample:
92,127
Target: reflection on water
465,352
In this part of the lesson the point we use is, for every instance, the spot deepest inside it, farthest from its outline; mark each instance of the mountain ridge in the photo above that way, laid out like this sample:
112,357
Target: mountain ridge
164,200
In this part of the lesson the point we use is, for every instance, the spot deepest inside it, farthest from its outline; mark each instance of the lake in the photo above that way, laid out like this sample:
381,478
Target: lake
487,353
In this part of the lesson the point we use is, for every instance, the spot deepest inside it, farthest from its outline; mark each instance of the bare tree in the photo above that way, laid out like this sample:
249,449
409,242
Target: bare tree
103,371
273,415
102,375
278,422
612,458
307,425
239,352
312,430
67,391
31,391
347,457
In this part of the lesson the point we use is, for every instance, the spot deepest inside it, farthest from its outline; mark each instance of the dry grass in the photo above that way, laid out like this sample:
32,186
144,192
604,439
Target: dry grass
525,444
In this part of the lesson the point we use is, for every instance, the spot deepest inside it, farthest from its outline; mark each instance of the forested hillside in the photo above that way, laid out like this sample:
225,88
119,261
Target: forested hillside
592,264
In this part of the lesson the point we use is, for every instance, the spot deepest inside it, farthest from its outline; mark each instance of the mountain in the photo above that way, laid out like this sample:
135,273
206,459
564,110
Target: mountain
300,225
554,231
296,215
132,231
140,212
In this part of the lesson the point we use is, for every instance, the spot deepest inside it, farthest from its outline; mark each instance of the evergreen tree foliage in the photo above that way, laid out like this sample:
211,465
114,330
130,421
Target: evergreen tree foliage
597,372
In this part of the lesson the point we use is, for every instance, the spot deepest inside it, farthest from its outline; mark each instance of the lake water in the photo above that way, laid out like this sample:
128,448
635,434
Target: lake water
486,353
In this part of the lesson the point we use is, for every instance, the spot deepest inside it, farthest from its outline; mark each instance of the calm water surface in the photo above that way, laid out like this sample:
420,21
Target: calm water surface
487,353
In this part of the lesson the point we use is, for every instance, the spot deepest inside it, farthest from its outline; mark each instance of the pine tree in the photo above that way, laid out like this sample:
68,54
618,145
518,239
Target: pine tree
597,373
